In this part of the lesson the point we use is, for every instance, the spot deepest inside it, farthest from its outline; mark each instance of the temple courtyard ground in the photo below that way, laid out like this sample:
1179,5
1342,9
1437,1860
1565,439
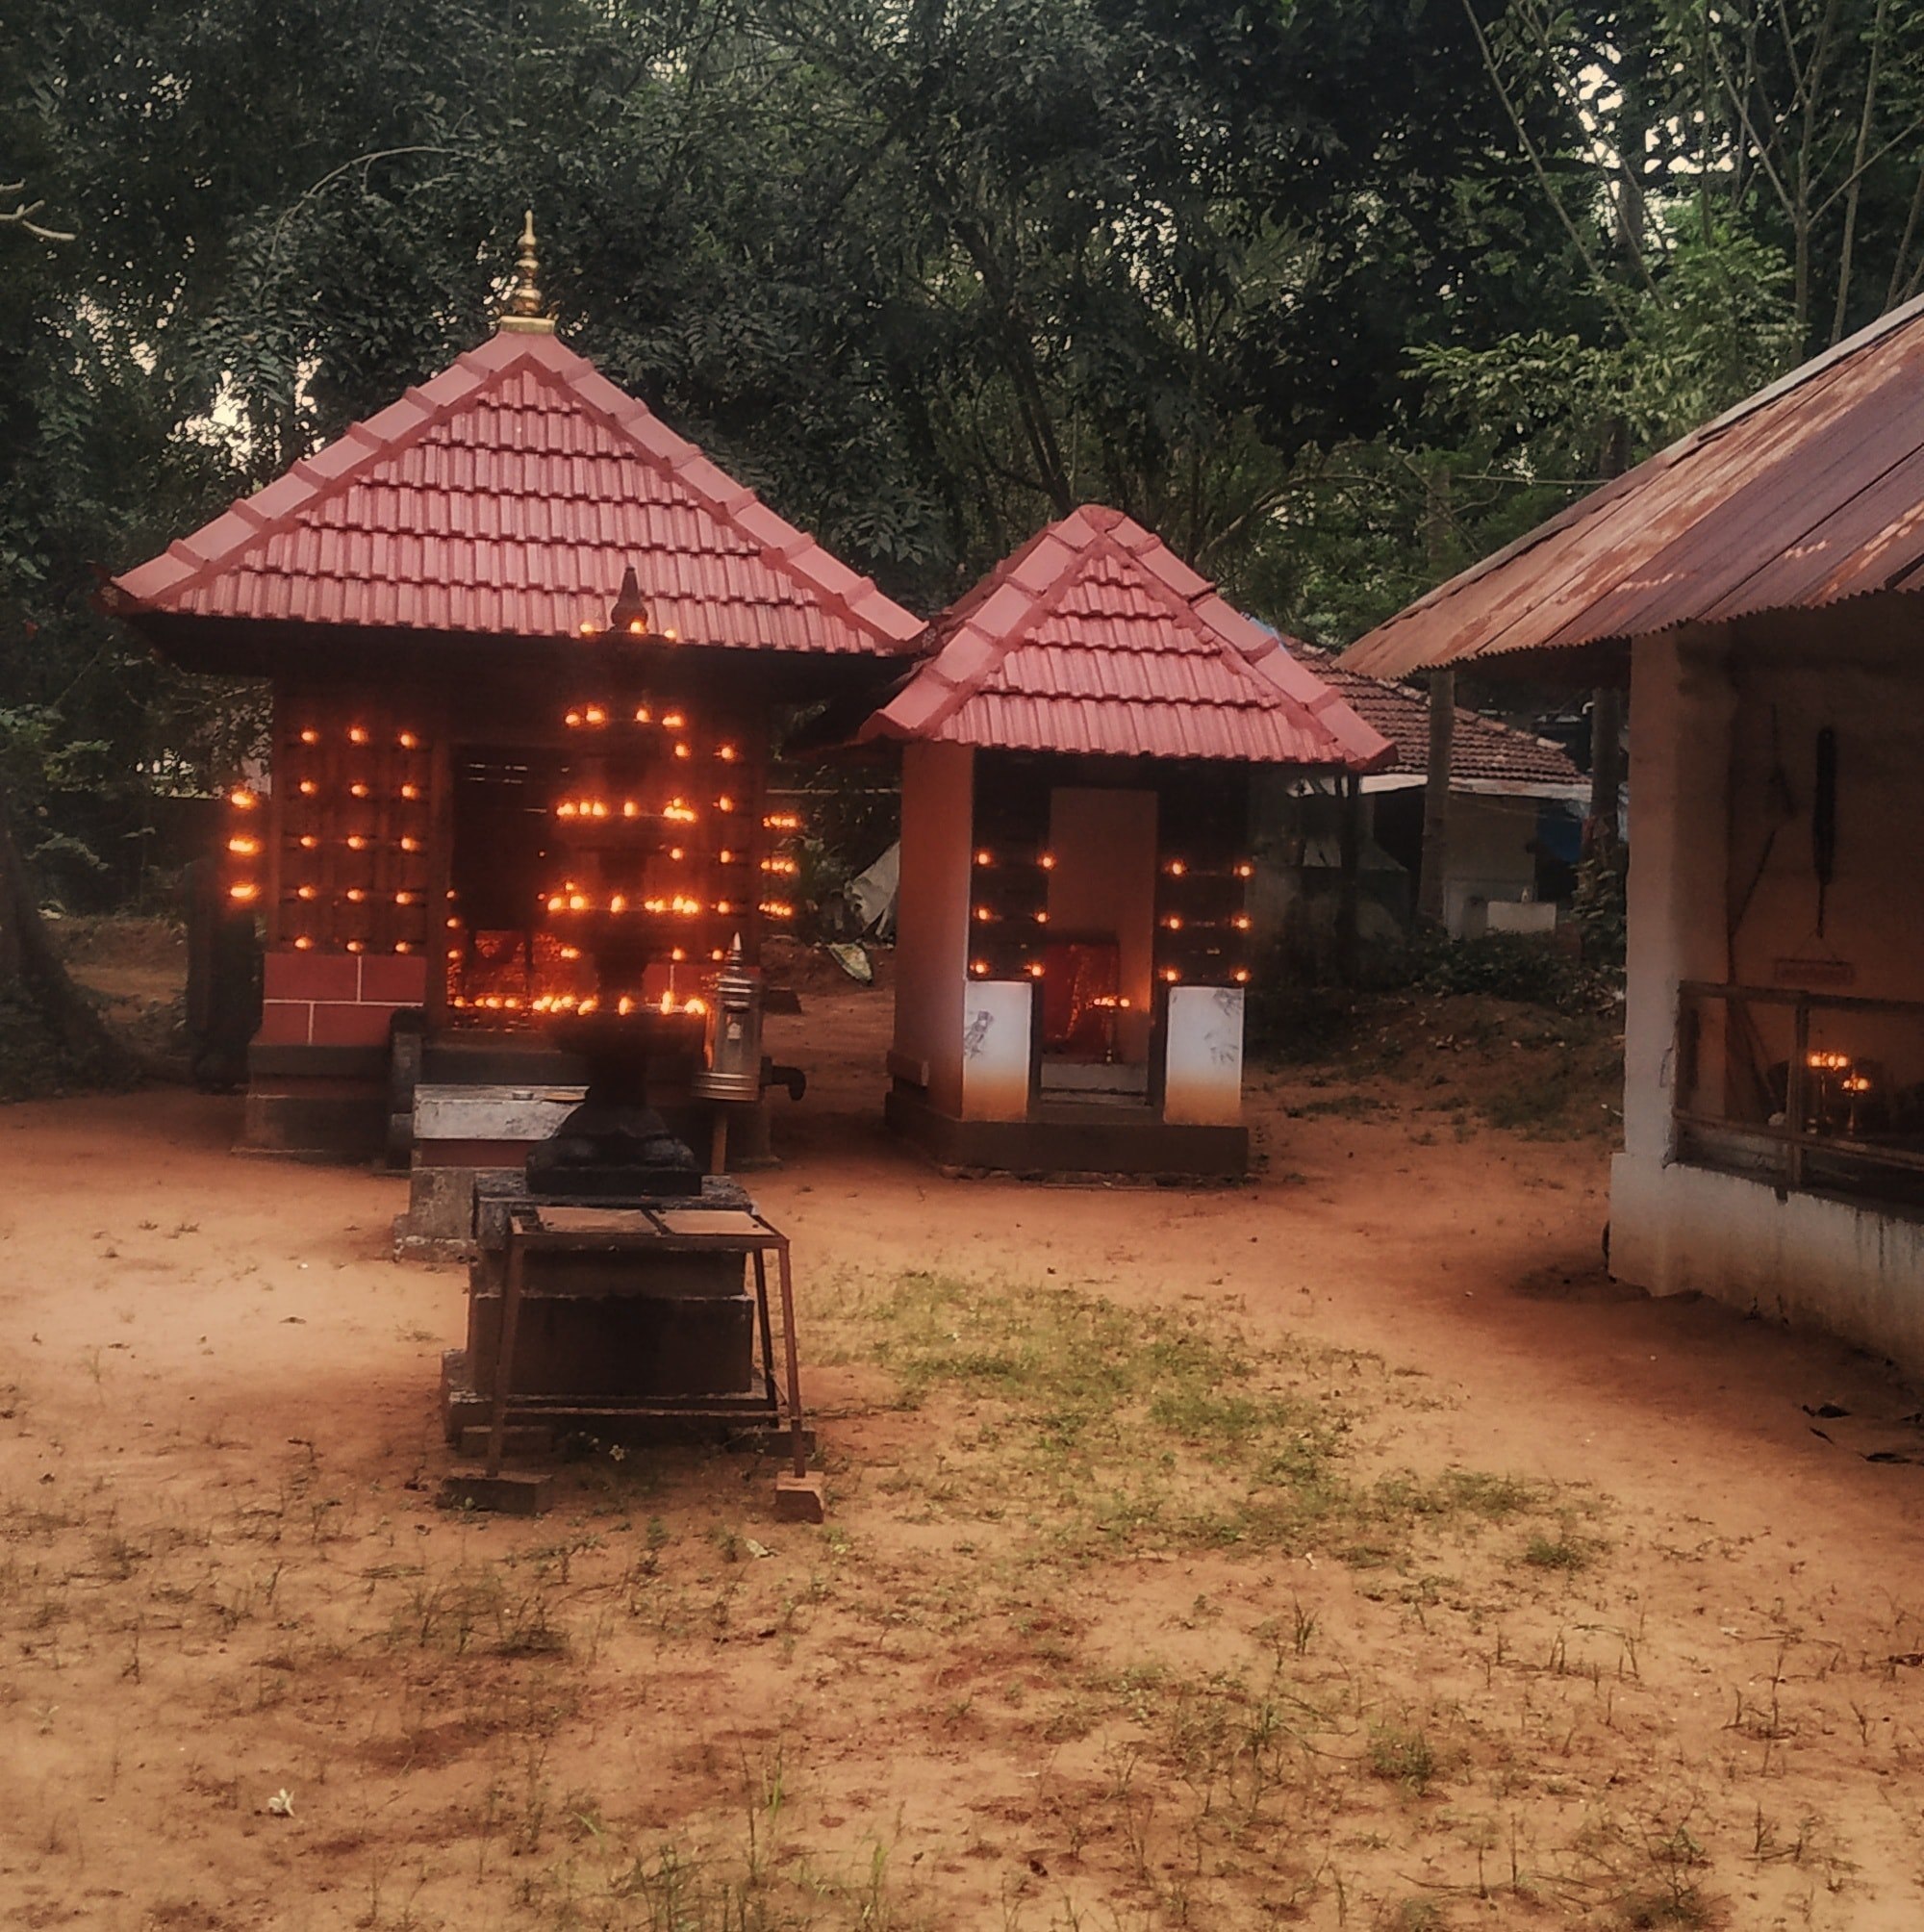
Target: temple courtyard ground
1343,1549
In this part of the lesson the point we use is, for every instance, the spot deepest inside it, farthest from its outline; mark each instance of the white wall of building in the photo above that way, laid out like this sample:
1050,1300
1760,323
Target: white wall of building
1489,857
1703,752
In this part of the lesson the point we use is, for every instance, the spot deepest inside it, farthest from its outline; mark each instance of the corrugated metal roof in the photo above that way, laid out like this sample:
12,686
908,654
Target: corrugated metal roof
1483,750
1094,636
1809,492
507,497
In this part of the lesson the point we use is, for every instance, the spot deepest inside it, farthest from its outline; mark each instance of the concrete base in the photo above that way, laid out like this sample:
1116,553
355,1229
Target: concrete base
1064,1139
505,1495
799,1499
1852,1268
328,1102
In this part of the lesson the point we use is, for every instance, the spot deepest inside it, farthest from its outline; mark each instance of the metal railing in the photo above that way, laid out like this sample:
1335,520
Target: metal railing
1806,1090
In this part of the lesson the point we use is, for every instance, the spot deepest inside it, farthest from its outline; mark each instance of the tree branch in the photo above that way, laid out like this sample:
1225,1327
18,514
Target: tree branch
22,216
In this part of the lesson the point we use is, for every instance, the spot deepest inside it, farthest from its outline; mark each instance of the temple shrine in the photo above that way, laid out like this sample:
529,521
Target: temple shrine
527,648
1075,935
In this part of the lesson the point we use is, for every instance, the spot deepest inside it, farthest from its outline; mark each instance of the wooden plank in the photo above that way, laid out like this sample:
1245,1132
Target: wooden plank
709,1221
595,1220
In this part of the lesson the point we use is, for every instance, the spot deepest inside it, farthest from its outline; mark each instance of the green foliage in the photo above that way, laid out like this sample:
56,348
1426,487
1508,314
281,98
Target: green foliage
1599,903
1514,966
36,1063
1259,276
1717,324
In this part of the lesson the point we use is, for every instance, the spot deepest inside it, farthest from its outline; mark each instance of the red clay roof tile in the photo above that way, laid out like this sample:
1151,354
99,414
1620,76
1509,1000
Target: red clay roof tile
1094,636
505,498
1483,749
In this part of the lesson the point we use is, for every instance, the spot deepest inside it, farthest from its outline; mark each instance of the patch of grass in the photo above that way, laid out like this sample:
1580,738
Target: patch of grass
1403,1754
1101,1428
1117,1426
1344,1106
1561,1552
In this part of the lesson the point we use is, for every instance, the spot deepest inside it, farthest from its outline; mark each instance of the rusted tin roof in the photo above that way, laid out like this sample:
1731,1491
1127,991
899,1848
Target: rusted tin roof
1810,492
1094,636
505,498
1484,752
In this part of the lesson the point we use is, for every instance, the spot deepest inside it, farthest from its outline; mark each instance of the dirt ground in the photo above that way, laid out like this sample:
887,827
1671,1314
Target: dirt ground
1343,1549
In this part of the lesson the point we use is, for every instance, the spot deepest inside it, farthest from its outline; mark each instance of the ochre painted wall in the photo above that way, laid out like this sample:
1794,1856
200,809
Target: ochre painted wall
932,915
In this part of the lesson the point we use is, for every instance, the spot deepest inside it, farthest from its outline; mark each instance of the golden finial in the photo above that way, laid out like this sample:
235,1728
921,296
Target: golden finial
523,314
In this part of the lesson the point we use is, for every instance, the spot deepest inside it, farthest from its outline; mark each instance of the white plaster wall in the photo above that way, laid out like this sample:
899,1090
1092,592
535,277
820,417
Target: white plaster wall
1488,858
1203,1057
1680,709
1807,1259
996,1022
1700,754
932,915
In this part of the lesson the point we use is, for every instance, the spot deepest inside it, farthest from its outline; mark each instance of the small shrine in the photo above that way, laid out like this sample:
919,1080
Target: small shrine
527,646
1073,930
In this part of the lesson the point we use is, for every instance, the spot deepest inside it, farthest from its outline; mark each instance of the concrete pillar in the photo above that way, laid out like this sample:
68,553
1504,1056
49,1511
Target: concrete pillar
1682,707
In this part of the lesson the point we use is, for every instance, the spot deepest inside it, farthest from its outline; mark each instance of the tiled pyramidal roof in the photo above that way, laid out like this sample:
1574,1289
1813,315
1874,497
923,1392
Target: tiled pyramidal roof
1094,636
1483,750
506,498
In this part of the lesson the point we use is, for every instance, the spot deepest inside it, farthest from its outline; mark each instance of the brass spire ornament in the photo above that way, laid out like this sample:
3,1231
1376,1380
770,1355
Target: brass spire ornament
522,316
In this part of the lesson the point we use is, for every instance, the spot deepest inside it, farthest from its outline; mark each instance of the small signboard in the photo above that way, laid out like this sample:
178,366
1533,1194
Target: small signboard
1812,972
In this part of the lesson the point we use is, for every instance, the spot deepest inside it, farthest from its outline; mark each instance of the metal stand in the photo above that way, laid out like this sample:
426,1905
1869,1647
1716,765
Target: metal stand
642,1235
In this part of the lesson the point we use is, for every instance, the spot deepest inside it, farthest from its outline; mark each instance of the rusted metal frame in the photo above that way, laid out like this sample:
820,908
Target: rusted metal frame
797,1438
1796,1082
1867,1150
638,1237
1788,996
762,1404
761,1265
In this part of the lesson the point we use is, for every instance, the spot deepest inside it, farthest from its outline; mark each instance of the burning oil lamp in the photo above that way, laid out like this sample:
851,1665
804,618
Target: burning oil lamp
628,860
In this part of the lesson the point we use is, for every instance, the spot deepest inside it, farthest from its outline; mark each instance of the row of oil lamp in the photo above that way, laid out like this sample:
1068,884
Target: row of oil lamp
987,858
624,1004
676,906
1169,922
1170,975
360,737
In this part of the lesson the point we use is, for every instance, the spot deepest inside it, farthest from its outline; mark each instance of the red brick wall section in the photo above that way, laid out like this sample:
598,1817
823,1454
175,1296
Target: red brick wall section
336,999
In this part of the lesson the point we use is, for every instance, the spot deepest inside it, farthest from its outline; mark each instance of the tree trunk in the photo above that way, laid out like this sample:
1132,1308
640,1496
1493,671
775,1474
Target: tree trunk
1349,853
1606,762
50,1036
1436,857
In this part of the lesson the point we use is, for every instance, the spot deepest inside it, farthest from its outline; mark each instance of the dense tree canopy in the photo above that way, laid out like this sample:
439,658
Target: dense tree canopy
1333,293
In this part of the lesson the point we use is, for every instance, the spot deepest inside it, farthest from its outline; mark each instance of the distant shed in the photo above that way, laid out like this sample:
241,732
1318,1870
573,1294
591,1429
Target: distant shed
1758,583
